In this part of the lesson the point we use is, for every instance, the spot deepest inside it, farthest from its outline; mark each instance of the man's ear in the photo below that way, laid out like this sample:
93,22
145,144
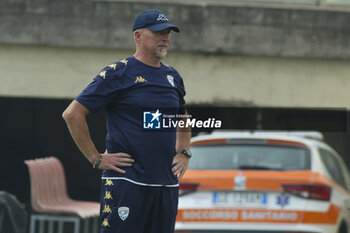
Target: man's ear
137,36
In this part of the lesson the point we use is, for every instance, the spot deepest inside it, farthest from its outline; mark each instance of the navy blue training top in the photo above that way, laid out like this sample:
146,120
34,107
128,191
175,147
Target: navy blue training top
125,89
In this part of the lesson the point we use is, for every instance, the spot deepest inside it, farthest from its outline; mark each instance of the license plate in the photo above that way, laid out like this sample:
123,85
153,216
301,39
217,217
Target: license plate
240,199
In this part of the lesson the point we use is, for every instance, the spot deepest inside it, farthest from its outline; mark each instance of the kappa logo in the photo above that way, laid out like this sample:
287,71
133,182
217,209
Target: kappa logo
124,61
108,195
107,209
103,74
105,223
114,66
109,182
139,79
171,80
123,212
162,17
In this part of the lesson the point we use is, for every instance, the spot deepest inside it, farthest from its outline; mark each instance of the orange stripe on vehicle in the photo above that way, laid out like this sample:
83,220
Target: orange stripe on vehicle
209,141
255,180
320,179
274,179
275,141
258,216
330,217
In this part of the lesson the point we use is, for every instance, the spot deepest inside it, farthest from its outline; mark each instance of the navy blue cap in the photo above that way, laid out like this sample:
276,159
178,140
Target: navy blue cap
154,20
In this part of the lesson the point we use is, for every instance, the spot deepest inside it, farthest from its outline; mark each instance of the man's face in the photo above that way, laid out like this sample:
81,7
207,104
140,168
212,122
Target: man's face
156,43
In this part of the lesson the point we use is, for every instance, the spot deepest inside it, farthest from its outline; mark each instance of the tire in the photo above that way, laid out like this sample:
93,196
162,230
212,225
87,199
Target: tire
343,228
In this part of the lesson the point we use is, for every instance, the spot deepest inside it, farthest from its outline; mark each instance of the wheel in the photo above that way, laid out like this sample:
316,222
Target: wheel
343,228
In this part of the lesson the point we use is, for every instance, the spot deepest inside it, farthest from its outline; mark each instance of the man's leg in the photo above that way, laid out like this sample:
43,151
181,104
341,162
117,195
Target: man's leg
165,210
124,207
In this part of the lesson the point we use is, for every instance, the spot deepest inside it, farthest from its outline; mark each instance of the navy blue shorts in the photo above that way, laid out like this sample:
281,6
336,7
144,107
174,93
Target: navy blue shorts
132,208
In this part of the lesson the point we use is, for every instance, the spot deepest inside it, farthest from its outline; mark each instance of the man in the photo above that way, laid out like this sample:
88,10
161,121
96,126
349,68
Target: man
141,167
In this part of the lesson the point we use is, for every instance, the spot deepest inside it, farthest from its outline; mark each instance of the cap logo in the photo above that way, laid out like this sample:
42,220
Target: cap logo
162,17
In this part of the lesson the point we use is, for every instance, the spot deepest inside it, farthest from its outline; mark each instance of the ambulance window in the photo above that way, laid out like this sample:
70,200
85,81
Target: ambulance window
250,157
333,167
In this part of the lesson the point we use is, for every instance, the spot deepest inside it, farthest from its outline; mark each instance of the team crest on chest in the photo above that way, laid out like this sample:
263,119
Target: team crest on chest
171,80
123,212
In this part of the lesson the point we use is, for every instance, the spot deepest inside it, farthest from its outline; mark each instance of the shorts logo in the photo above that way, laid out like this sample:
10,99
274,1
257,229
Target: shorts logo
108,195
123,213
109,182
152,119
105,223
171,80
107,209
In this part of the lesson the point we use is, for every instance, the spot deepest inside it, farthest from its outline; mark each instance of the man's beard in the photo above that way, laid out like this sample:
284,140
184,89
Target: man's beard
161,54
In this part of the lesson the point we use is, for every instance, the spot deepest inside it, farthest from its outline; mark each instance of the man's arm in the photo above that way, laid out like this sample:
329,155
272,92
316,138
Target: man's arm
75,117
183,141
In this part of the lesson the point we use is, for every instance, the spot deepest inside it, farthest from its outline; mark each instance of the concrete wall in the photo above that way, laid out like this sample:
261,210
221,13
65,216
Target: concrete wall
228,53
230,80
232,28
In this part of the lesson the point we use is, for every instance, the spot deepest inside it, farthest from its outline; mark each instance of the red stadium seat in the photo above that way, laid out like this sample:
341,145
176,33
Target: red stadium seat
51,203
